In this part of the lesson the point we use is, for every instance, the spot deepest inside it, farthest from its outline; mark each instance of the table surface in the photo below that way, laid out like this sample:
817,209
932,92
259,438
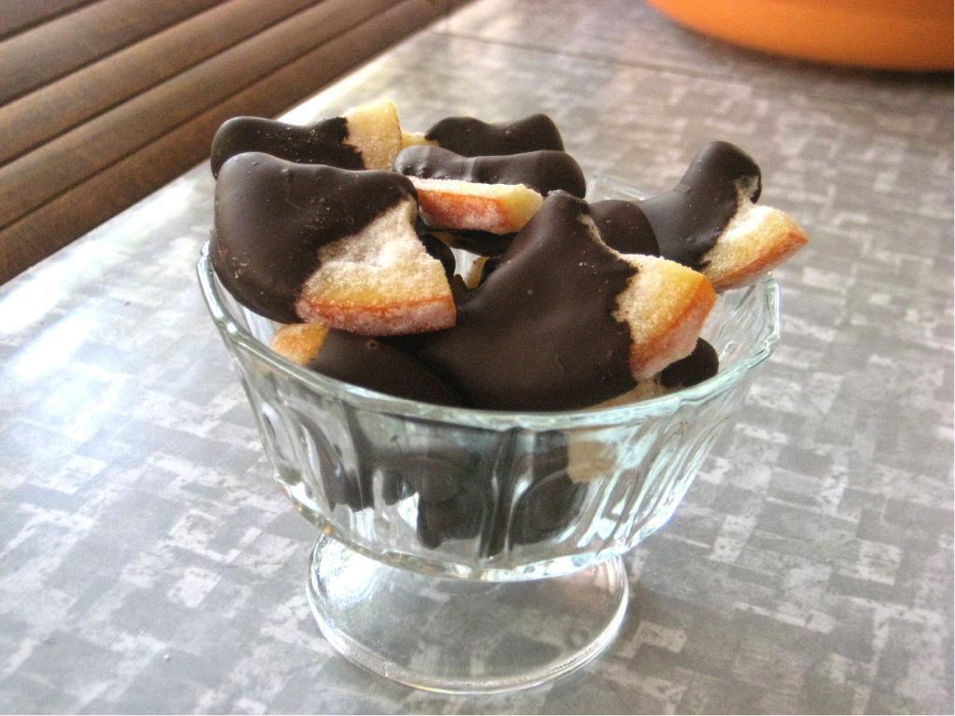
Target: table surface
148,563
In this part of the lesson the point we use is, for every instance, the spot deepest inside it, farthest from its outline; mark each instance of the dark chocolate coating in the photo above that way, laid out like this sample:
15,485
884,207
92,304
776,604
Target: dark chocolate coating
552,500
688,220
547,507
319,143
483,243
376,365
488,268
701,364
623,226
436,469
468,499
459,517
543,171
272,217
346,483
540,334
439,250
466,485
471,137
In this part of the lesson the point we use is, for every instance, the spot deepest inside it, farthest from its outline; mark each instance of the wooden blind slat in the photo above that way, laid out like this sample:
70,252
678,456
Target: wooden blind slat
34,178
83,208
44,53
17,15
40,116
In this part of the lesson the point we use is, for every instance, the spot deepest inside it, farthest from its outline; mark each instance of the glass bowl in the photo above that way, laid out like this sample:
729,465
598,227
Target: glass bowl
469,550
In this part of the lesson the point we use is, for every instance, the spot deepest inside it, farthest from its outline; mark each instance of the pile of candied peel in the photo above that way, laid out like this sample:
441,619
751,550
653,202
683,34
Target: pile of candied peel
346,231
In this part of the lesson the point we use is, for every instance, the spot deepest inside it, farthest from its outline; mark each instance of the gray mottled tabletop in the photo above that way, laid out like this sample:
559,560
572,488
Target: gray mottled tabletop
149,564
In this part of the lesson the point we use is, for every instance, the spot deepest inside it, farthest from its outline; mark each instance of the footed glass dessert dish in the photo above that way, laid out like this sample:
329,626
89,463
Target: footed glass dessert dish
475,551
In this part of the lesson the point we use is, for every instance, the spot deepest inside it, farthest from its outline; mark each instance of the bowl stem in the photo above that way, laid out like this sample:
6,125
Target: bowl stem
458,636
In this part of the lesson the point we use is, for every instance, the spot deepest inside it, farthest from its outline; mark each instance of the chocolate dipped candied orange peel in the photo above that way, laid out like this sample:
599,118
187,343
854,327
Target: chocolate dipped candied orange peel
487,195
472,137
569,305
312,243
579,305
493,208
494,194
564,321
364,137
709,221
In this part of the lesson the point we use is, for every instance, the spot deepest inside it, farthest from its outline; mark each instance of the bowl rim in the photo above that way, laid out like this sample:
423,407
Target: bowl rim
497,420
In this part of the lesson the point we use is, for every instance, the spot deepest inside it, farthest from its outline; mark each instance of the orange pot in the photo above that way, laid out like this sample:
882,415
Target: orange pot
884,34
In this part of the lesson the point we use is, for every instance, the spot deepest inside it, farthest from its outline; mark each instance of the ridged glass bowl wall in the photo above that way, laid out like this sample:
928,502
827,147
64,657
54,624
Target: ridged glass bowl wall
474,551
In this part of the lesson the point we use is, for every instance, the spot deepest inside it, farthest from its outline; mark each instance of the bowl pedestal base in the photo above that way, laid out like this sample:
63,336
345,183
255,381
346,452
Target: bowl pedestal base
460,636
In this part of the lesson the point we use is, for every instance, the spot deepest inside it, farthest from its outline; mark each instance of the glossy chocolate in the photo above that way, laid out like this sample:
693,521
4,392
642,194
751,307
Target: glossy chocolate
319,143
459,487
703,363
467,500
543,171
539,334
341,487
623,226
459,517
487,268
272,217
483,243
376,365
552,501
439,250
473,138
688,220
